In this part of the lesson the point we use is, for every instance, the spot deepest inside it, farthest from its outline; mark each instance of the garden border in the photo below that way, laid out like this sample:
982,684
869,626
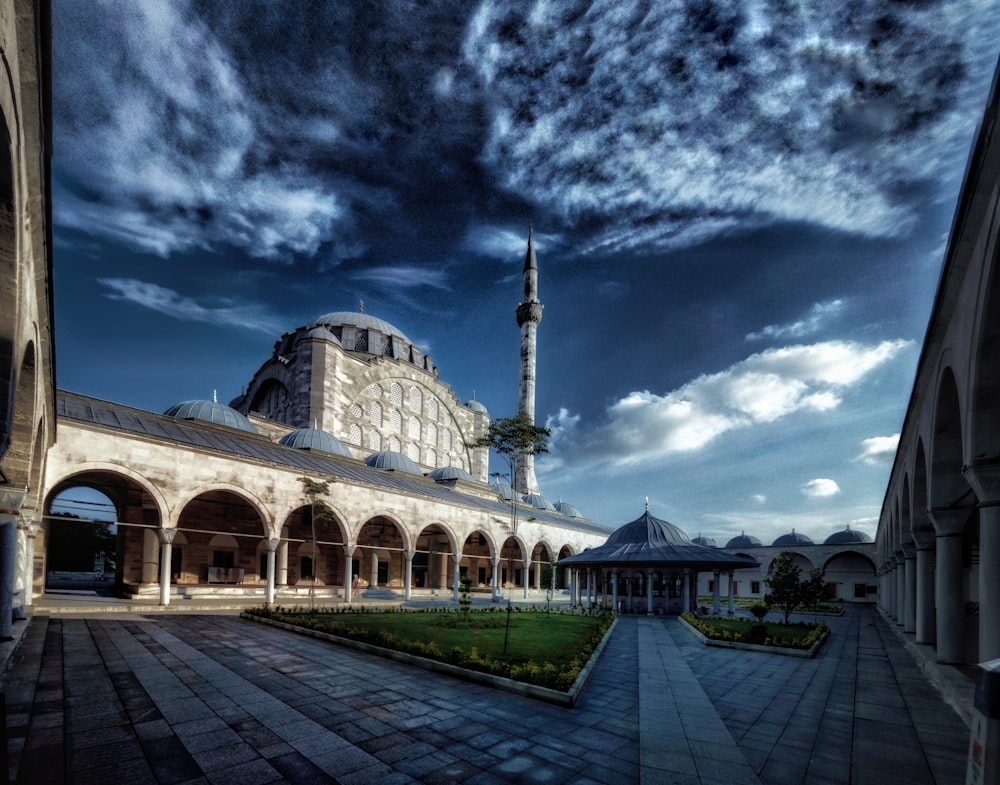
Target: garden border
780,650
534,691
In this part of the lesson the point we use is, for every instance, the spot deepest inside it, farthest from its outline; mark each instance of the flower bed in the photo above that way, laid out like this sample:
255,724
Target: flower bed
802,637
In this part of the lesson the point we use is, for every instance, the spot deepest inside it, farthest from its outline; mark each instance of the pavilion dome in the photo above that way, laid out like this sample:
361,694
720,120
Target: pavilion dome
792,538
744,540
476,406
390,460
648,528
363,321
848,536
708,542
444,473
567,509
211,412
316,440
539,502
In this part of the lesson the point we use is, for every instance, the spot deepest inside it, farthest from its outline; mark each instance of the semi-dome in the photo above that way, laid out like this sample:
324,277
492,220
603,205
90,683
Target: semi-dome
538,501
393,461
744,540
316,440
792,538
567,509
708,542
363,321
848,536
318,333
444,473
212,412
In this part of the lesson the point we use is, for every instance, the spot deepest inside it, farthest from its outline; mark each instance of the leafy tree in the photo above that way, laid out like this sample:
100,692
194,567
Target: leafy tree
319,510
813,589
514,438
785,585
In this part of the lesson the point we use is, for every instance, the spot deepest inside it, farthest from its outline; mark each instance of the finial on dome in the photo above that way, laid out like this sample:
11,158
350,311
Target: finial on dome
647,504
215,396
361,306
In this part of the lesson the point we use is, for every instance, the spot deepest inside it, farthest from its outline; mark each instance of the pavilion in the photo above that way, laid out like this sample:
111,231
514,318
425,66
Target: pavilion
651,566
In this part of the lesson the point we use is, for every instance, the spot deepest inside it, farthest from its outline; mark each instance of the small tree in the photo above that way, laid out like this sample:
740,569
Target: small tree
784,583
465,594
319,510
813,589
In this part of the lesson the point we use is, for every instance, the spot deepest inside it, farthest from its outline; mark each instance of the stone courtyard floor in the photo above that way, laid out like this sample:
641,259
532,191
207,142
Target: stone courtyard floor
177,698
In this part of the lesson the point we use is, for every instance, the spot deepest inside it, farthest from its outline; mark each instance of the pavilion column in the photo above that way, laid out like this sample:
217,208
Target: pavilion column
614,590
984,477
716,609
282,557
649,592
525,570
269,591
408,574
456,575
948,524
924,588
349,572
166,545
590,589
495,580
631,579
732,595
686,589
910,591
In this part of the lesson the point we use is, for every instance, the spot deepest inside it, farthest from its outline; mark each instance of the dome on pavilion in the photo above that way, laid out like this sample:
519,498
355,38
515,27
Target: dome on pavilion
445,473
390,460
211,412
848,536
708,542
744,540
792,538
316,440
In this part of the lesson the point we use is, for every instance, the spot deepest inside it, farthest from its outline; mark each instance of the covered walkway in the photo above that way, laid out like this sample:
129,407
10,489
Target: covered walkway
173,698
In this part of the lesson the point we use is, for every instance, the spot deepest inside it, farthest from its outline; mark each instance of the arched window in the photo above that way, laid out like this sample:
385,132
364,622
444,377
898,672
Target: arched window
376,409
395,422
447,440
416,399
356,410
355,435
413,428
396,394
432,458
374,441
413,451
395,445
432,434
432,410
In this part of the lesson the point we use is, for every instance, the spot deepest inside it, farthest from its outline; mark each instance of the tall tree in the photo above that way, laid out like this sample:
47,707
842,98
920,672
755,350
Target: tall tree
513,438
319,510
786,590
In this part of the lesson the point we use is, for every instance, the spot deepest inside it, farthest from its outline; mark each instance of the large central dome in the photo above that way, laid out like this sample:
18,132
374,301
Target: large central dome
360,320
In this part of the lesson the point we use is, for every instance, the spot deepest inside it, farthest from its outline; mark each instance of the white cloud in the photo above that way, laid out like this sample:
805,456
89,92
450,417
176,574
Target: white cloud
167,301
407,276
820,488
817,318
759,498
879,449
759,390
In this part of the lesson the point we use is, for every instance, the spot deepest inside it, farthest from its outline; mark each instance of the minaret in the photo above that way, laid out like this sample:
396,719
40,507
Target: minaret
529,314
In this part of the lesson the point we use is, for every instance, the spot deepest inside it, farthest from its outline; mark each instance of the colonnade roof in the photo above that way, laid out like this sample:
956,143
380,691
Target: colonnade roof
253,447
651,542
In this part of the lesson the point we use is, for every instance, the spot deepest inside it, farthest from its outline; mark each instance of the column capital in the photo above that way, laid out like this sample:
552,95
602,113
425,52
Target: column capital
167,536
948,521
924,538
273,543
984,477
349,549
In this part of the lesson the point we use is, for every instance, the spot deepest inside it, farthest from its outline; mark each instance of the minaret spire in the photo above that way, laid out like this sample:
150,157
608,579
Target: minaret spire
529,314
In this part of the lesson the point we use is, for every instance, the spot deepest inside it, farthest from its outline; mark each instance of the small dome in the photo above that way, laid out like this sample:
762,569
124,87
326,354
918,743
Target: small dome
212,412
361,320
708,542
567,509
393,461
320,334
744,540
792,538
848,536
539,502
449,473
503,489
316,440
476,406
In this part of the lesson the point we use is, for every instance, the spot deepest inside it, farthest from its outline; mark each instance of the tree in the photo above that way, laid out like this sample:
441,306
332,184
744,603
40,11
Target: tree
313,490
786,588
813,589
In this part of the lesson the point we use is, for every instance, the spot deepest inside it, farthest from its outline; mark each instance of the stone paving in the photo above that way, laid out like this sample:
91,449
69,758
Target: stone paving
213,699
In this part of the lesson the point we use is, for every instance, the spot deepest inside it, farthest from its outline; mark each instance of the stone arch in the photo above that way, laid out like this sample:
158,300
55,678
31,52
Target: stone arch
947,486
984,410
379,559
232,514
10,270
433,550
800,560
322,565
847,574
222,487
478,551
18,463
273,401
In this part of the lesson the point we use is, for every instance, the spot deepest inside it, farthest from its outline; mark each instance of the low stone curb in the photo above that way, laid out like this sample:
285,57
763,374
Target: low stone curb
780,650
498,682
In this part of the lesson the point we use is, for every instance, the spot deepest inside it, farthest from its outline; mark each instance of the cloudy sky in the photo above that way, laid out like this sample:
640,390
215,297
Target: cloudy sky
740,211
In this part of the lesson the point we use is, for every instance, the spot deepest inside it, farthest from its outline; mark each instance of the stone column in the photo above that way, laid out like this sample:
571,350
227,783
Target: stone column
924,588
456,575
614,590
948,525
272,545
443,571
687,589
8,545
732,595
538,575
649,592
349,572
408,573
525,568
373,577
900,587
32,536
716,609
494,582
910,590
150,556
984,477
22,572
282,558
166,543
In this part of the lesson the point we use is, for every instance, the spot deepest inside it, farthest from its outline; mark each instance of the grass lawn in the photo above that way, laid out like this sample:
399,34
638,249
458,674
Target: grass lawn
549,649
795,635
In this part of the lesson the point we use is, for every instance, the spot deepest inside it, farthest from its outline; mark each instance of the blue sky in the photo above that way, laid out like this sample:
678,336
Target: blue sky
740,212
